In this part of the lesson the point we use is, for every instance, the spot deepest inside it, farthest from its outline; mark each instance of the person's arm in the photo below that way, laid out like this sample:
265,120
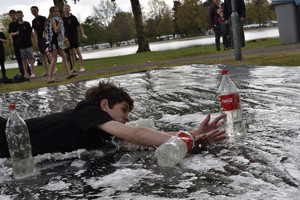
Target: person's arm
136,135
243,10
204,135
56,27
82,32
3,38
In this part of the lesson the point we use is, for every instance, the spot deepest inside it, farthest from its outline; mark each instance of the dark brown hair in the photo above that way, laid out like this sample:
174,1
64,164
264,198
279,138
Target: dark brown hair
108,90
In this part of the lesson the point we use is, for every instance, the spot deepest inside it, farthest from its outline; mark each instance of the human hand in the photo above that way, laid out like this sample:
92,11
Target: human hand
226,22
206,127
242,19
84,36
201,141
208,131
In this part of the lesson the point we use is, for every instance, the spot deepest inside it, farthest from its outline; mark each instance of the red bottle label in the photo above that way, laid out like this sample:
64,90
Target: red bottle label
187,139
229,102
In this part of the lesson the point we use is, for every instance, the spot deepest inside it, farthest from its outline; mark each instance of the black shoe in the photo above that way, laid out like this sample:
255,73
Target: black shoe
218,49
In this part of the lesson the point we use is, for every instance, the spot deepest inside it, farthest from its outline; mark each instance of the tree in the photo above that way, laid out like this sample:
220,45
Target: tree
90,28
139,26
259,11
4,22
192,17
104,12
124,24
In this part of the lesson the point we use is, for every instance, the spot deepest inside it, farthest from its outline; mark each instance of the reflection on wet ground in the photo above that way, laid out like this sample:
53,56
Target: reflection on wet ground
264,166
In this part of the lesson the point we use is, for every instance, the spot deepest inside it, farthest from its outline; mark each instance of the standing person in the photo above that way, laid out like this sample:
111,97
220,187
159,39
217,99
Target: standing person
241,11
96,120
2,55
12,28
38,25
71,23
224,28
54,31
214,22
24,42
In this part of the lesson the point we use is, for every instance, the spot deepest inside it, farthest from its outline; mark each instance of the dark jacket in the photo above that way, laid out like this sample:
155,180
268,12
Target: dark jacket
213,15
240,8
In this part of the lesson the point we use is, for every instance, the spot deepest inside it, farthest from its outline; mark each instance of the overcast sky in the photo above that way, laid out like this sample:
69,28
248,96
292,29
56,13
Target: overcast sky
81,10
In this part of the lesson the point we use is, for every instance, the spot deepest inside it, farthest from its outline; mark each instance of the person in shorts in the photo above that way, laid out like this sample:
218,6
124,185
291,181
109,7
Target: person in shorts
71,23
54,32
24,33
38,25
12,30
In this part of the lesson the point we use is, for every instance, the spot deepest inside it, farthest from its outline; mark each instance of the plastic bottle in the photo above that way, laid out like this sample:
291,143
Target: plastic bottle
174,149
230,105
19,144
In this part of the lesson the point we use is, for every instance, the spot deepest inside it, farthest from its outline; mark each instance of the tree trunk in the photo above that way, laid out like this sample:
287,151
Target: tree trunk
60,4
139,25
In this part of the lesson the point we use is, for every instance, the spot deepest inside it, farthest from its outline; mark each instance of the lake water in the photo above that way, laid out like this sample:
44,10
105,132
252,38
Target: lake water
265,166
170,44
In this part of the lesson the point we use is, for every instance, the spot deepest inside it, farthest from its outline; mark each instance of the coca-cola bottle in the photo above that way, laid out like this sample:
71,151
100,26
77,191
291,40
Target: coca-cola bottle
19,144
174,149
230,105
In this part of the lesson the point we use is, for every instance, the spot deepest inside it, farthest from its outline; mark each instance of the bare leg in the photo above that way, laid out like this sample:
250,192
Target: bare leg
52,65
25,66
72,57
50,59
80,59
45,63
64,61
31,61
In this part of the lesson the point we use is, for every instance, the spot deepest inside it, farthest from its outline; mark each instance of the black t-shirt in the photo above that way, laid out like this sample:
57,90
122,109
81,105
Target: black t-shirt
24,39
70,24
2,53
13,27
39,25
66,131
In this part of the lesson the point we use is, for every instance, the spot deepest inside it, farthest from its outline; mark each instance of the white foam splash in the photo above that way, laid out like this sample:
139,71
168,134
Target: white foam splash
120,180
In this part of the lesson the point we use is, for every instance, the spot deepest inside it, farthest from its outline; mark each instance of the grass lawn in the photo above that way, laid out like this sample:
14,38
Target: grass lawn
286,59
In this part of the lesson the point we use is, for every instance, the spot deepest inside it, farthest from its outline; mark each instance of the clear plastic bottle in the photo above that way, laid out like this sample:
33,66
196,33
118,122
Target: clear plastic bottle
174,149
229,100
19,144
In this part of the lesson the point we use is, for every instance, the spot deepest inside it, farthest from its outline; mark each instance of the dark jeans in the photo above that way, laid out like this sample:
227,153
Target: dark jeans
242,35
226,35
218,32
19,59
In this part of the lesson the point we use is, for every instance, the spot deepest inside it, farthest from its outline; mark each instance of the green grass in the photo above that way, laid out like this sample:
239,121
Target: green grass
286,59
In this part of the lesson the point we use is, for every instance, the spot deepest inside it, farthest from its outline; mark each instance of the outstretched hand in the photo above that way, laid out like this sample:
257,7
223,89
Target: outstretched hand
209,132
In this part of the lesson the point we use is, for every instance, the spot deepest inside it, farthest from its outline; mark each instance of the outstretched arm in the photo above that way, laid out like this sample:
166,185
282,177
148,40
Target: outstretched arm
136,135
204,135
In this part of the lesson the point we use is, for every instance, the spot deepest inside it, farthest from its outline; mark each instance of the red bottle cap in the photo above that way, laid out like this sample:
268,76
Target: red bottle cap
224,71
12,106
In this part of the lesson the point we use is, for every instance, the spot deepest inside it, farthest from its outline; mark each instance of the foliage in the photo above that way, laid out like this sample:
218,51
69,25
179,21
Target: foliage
259,11
123,22
192,17
4,23
104,12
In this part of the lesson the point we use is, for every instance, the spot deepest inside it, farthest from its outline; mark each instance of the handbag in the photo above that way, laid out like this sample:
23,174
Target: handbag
66,43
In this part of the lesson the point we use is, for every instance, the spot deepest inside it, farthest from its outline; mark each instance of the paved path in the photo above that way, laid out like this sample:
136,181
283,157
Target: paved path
222,54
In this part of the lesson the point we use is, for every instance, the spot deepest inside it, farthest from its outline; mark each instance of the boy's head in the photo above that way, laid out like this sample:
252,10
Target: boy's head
34,11
12,14
66,9
20,14
114,94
